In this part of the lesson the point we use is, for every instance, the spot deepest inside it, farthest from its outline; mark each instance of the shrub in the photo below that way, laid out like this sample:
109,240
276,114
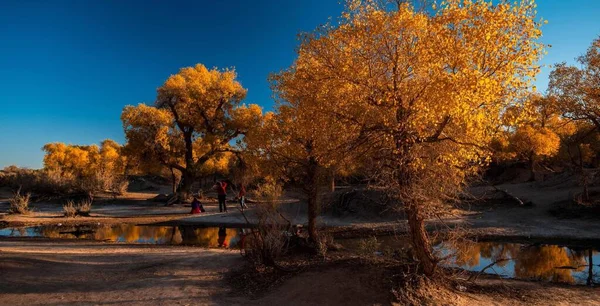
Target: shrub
120,186
69,209
368,246
83,208
267,241
19,204
323,243
39,182
54,184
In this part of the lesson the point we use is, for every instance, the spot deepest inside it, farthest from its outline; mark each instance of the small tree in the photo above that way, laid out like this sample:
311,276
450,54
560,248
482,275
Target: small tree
577,91
300,140
577,88
532,143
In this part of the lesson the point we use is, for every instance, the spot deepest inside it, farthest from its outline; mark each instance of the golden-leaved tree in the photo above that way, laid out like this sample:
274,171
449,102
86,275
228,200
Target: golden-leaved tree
577,89
538,130
196,117
426,89
89,168
300,140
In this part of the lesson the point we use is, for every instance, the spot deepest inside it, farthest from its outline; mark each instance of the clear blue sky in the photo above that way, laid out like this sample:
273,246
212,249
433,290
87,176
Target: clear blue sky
69,67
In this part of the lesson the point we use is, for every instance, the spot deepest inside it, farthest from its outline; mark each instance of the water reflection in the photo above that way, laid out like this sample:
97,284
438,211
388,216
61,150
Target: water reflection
178,235
553,263
536,262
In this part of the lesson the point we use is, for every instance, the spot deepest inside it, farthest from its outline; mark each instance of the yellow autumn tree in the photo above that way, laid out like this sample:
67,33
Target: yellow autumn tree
577,89
196,117
300,140
531,143
537,130
426,89
89,168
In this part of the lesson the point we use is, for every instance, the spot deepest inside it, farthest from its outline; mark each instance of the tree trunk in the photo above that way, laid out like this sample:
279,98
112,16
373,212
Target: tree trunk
585,197
532,166
419,239
404,178
311,188
173,180
184,193
187,175
313,204
332,182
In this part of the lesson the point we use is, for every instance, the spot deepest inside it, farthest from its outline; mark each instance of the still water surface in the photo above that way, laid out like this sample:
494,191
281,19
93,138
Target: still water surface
130,233
543,262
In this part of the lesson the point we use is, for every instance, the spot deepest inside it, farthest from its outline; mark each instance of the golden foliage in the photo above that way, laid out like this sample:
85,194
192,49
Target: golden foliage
93,168
196,118
427,90
529,141
577,89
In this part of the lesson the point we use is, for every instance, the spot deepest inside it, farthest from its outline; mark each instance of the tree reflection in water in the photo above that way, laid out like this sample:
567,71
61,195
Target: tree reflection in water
537,262
131,233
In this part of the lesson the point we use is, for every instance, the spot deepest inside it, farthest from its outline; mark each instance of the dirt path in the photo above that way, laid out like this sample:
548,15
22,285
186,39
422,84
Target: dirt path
82,273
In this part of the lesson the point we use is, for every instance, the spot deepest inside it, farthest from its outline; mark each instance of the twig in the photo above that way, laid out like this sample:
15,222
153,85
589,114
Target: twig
475,276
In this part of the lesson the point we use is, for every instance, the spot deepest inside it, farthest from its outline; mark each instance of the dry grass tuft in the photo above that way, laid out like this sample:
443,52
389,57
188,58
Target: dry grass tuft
19,204
83,208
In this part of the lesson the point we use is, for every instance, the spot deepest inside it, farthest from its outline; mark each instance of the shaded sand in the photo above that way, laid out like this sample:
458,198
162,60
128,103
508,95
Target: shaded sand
80,273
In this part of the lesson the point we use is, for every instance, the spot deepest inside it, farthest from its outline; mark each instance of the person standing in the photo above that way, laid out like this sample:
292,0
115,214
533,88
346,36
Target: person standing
242,196
222,195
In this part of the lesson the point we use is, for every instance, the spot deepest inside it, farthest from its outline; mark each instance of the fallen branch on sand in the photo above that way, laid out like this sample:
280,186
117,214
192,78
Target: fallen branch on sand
508,194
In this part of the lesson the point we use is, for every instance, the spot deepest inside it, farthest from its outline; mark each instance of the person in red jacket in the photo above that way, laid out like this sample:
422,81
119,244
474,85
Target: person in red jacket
222,195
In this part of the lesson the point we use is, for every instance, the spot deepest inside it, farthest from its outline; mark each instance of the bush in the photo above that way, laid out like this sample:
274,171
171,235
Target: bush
36,181
52,184
268,240
69,209
83,208
368,246
120,186
324,242
19,204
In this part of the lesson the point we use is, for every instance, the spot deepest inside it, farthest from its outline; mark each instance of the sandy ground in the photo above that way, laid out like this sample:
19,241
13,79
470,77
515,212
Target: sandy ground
43,272
535,221
83,273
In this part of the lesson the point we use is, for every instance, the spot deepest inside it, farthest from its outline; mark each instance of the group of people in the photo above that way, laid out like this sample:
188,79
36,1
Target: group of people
221,188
